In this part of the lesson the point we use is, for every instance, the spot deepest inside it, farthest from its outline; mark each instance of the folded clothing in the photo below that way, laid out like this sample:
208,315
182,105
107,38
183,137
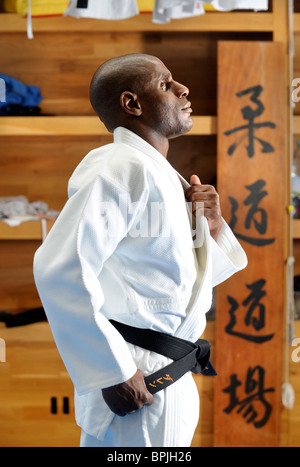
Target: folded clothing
17,97
15,209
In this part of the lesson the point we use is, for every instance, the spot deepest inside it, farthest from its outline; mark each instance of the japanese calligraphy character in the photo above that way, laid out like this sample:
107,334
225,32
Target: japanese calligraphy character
250,114
250,319
168,378
254,408
256,217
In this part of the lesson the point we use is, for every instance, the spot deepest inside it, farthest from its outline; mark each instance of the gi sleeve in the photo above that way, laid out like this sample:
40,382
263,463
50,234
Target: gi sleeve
67,271
228,257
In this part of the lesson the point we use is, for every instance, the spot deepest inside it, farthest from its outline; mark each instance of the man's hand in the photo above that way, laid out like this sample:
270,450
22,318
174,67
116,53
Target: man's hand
207,196
129,396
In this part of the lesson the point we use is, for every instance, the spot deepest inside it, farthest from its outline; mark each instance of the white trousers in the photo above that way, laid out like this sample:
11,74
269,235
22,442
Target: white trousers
170,422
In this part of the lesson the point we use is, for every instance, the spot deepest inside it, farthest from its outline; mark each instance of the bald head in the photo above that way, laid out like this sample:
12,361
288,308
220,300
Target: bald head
114,77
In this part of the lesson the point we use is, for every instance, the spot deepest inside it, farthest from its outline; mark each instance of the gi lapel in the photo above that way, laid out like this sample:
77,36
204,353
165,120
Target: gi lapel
203,295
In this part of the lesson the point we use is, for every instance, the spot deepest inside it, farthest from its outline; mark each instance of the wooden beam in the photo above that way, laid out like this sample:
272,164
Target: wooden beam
31,230
205,125
51,126
281,22
91,126
212,21
79,126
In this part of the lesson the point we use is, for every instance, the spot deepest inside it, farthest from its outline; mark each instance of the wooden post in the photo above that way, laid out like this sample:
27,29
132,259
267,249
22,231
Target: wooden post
251,184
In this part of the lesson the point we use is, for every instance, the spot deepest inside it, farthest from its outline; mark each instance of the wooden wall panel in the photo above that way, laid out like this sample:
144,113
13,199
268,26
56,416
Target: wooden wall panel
63,68
17,289
40,167
250,306
32,381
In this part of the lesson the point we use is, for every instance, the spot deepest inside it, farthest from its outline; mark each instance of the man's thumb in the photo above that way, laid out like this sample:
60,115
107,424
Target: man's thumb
195,180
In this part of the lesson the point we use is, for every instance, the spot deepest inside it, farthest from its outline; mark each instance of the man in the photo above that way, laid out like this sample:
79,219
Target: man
122,250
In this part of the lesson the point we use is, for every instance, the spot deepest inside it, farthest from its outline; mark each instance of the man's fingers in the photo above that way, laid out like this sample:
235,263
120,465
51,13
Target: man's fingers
149,399
126,398
205,201
195,180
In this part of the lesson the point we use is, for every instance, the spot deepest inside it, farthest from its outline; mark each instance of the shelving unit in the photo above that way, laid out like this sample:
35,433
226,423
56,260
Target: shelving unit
88,125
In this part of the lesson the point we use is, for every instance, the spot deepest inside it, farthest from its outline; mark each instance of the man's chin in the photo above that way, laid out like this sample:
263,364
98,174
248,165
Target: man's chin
183,129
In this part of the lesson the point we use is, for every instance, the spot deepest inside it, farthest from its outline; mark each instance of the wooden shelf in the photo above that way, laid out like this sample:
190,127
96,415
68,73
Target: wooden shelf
91,126
211,21
51,126
79,126
31,230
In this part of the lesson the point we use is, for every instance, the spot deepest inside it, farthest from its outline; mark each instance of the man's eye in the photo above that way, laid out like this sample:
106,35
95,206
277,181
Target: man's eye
165,85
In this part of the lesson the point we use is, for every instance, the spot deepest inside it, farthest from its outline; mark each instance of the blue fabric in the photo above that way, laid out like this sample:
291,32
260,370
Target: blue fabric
17,93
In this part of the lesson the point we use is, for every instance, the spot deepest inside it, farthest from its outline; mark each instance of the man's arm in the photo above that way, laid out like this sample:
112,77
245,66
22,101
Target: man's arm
67,270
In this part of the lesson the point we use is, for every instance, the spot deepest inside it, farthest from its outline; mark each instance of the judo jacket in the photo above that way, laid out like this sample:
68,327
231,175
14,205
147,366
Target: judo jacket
124,248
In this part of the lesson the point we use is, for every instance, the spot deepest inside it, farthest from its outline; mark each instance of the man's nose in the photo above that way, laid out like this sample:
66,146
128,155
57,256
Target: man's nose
182,90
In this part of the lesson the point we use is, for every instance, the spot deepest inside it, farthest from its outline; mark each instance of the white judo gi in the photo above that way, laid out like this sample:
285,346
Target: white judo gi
122,249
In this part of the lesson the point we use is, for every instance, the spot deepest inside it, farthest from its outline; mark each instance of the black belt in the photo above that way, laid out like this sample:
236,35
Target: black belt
187,356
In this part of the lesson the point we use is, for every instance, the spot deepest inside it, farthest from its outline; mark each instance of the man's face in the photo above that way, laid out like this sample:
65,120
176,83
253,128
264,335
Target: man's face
165,106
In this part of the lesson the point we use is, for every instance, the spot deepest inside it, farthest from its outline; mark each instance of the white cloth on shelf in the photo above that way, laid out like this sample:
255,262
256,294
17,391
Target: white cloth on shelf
165,10
227,5
17,209
105,9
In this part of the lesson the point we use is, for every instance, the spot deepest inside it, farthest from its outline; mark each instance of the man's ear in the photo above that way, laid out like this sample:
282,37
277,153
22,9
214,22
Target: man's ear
130,103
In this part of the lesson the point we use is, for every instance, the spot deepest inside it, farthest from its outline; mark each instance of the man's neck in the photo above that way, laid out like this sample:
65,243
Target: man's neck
160,143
